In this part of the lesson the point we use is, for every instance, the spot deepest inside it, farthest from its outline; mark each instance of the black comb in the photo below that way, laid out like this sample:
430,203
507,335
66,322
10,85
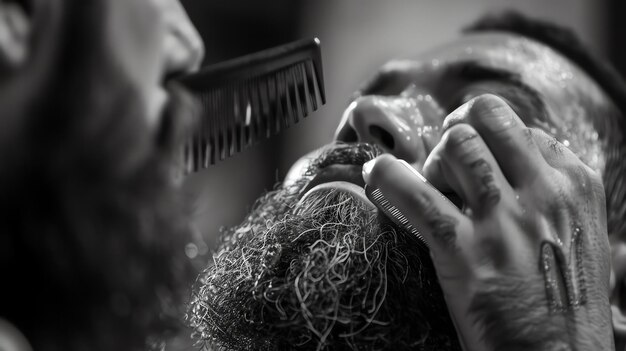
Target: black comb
251,98
392,212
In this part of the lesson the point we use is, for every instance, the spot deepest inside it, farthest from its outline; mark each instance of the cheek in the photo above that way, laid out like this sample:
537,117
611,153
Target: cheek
135,30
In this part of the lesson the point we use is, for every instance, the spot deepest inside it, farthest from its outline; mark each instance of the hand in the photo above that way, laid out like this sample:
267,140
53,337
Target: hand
525,264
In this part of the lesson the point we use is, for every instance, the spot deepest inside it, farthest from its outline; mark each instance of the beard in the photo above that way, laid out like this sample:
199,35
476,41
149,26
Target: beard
326,272
92,225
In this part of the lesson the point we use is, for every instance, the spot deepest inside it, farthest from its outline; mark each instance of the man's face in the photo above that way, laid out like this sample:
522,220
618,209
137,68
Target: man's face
151,40
402,108
288,254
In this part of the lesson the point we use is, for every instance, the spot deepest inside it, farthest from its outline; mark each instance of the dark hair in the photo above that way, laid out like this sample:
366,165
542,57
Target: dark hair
606,76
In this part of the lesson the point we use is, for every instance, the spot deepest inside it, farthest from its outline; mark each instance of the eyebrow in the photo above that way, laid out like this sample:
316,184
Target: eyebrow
525,100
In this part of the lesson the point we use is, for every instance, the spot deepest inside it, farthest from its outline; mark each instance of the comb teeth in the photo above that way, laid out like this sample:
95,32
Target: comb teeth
392,212
252,98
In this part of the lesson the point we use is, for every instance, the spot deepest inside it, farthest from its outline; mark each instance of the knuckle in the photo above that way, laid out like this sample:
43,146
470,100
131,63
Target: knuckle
548,144
423,201
487,187
531,134
461,137
443,228
554,146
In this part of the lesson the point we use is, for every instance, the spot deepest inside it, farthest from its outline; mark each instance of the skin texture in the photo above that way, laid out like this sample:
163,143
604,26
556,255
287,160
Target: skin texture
530,245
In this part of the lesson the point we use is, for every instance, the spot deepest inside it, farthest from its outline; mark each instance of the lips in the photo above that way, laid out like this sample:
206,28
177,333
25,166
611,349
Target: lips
333,173
345,178
339,168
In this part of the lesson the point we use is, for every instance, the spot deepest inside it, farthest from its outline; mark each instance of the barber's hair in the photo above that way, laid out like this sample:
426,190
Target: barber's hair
603,73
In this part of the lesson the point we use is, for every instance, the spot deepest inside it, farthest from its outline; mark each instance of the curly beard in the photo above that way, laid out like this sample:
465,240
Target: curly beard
92,225
323,273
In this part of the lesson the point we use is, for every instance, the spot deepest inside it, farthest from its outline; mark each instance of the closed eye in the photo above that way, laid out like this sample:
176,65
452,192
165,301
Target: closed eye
480,79
529,107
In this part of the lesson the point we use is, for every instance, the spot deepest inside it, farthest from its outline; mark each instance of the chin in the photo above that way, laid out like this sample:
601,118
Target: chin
315,265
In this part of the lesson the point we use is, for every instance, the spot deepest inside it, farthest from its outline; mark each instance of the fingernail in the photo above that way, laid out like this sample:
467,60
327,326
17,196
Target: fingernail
367,168
369,165
488,103
457,116
494,108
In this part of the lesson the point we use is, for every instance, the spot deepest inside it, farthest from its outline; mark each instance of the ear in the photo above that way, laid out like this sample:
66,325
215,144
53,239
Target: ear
618,291
15,30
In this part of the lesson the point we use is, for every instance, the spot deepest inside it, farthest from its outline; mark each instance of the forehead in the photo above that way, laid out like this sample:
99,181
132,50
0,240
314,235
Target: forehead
575,106
552,75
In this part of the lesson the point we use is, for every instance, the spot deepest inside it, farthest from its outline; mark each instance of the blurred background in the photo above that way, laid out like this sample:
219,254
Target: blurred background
357,37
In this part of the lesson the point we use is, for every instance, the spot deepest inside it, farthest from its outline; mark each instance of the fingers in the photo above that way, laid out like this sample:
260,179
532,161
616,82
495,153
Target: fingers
505,134
587,182
463,162
553,151
437,219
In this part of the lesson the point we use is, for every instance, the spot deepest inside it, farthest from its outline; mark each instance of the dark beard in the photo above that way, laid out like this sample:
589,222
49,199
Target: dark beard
92,228
325,273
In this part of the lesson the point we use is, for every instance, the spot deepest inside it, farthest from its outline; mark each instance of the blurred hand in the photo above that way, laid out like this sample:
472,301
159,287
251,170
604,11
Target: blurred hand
525,264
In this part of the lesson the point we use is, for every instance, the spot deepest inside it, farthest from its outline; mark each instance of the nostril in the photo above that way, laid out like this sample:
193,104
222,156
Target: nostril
382,136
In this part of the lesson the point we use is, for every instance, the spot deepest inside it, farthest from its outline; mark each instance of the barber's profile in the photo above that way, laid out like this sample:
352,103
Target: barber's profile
428,176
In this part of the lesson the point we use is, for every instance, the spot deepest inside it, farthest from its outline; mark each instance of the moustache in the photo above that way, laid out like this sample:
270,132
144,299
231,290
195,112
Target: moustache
347,154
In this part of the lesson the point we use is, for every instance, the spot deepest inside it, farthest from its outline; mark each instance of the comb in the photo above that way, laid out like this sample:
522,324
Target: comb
251,98
392,212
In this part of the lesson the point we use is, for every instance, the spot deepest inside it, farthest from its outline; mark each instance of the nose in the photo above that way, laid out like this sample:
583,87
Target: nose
392,123
184,49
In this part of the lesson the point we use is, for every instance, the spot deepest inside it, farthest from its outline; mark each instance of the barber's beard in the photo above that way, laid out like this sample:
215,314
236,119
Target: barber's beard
93,226
324,273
